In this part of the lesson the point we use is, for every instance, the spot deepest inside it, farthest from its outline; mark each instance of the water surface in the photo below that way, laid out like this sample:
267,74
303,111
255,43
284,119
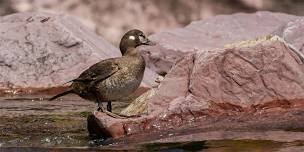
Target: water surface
30,123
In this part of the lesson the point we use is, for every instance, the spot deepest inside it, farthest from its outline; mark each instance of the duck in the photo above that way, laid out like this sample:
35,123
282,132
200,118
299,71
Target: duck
115,78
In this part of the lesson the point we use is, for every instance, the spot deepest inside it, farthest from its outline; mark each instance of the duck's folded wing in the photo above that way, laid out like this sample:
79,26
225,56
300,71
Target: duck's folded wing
99,71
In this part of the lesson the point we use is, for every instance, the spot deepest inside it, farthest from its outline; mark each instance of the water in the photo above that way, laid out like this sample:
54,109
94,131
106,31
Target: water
203,146
33,124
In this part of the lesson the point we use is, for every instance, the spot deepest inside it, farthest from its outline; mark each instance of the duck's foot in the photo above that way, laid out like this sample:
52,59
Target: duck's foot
114,115
109,106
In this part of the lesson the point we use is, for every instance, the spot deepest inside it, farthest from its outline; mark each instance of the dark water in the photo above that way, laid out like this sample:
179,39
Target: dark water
203,146
33,124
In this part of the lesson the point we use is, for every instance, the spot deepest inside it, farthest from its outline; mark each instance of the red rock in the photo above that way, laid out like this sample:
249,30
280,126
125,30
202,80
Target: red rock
263,79
216,32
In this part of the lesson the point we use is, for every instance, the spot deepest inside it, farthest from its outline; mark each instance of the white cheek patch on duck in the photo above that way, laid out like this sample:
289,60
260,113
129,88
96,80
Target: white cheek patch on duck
141,39
132,37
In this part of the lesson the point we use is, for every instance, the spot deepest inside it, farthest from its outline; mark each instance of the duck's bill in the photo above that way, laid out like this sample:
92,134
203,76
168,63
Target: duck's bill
147,42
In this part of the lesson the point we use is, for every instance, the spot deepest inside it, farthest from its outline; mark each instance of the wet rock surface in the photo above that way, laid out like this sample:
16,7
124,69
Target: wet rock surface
218,31
224,89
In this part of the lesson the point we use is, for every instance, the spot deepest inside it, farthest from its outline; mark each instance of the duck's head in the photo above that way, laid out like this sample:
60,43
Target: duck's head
133,39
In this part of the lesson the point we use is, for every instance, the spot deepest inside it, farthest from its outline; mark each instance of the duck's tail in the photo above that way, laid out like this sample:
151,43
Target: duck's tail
61,94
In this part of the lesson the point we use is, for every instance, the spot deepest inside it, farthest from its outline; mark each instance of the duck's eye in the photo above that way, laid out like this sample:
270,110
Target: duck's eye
132,37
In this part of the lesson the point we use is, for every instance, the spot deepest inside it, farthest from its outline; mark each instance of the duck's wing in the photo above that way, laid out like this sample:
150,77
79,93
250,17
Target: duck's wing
99,71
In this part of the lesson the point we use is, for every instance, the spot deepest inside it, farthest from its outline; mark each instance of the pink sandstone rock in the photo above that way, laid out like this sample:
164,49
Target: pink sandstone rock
218,31
263,79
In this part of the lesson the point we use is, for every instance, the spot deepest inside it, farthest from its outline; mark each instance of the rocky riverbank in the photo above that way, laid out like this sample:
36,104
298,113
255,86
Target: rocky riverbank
222,76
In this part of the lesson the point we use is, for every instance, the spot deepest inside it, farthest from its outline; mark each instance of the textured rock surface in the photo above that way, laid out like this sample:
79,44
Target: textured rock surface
236,84
219,31
139,105
45,50
42,50
292,33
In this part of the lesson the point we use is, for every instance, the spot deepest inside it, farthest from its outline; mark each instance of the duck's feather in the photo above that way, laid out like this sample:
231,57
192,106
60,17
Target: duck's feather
99,71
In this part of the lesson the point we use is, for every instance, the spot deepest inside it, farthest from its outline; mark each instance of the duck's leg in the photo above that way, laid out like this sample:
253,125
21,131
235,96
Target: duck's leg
99,106
102,109
109,106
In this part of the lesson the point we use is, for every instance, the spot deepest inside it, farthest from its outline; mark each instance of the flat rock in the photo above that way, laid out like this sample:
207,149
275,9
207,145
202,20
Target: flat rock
253,85
43,50
218,31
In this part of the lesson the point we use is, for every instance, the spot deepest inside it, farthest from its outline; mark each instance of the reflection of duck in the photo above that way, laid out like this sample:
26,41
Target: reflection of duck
114,78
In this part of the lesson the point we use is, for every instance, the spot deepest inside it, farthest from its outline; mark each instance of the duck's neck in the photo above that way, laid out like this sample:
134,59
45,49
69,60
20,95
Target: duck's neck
132,52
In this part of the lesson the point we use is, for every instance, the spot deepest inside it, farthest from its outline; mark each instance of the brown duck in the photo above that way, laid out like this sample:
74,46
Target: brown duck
115,78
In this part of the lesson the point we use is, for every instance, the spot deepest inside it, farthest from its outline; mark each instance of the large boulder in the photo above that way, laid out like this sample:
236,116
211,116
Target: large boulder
248,81
43,50
218,31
